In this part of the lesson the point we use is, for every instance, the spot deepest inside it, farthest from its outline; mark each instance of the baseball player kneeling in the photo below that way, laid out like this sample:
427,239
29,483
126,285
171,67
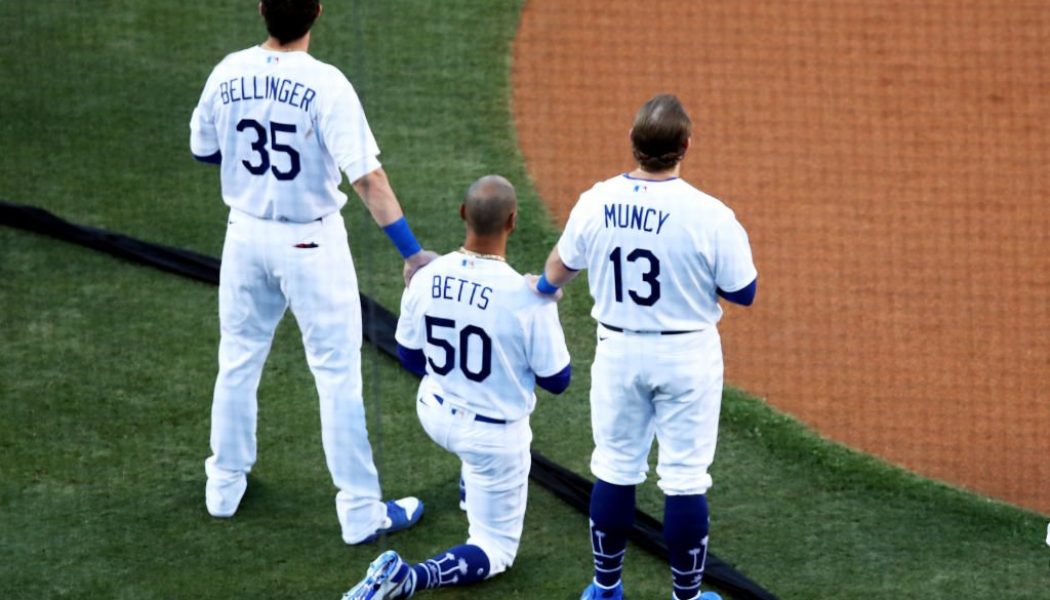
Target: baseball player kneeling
482,341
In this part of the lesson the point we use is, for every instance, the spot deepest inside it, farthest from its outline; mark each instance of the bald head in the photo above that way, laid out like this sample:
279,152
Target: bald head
489,204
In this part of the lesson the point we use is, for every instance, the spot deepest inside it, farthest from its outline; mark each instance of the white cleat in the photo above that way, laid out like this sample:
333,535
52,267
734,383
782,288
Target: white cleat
223,496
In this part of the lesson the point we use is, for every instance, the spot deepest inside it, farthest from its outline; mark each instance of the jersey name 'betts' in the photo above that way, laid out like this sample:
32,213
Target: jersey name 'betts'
284,114
659,251
485,335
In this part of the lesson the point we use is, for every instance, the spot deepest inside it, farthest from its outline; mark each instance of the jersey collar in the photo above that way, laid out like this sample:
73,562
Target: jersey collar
628,176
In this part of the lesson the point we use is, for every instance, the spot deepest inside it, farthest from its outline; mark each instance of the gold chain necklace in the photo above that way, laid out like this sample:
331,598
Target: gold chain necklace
480,255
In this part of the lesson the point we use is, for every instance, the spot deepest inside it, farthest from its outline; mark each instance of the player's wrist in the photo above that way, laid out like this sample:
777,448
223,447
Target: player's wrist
421,258
544,286
401,235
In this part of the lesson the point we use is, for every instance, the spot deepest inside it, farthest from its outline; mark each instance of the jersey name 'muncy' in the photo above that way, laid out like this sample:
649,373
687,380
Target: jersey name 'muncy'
630,216
460,290
283,90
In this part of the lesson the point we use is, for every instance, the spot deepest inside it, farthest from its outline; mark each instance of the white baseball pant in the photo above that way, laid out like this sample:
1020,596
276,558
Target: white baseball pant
670,386
495,470
263,273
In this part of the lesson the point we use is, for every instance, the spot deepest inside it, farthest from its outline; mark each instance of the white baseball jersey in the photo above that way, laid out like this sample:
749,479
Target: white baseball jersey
656,251
485,334
285,123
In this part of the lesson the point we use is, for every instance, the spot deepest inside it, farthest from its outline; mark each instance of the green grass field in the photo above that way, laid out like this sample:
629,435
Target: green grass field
106,368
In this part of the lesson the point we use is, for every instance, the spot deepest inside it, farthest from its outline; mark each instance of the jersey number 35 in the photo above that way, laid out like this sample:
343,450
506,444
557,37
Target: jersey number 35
259,146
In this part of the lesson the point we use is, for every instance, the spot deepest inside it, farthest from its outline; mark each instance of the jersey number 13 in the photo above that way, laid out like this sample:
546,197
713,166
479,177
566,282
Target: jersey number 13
643,297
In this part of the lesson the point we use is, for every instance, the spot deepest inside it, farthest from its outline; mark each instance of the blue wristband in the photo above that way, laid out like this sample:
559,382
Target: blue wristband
401,234
544,286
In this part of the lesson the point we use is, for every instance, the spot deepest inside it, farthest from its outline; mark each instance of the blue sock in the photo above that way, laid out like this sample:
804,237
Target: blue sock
460,565
685,531
612,514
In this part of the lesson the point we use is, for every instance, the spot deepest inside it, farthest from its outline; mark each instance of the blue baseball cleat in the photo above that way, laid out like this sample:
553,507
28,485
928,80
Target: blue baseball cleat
400,514
384,579
593,592
703,596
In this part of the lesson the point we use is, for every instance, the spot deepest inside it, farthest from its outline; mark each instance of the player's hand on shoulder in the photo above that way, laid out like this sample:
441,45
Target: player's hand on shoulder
416,262
532,281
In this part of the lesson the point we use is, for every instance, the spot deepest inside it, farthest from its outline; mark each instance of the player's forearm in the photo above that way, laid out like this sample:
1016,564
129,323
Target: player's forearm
555,271
375,191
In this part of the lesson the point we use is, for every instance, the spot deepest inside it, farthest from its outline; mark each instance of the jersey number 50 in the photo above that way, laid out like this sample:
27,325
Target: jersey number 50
259,146
650,276
465,335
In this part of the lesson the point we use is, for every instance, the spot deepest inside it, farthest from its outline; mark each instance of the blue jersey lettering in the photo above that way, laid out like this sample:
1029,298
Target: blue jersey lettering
308,96
445,287
286,91
630,216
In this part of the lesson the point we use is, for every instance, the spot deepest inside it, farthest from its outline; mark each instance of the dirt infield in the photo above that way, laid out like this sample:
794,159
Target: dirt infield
891,161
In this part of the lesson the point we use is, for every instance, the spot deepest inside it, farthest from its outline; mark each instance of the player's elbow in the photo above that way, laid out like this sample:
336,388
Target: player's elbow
365,177
556,271
557,383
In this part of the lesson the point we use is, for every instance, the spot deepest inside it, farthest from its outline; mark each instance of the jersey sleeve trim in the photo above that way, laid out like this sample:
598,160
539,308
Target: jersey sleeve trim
558,382
736,288
212,159
412,360
562,253
744,283
744,296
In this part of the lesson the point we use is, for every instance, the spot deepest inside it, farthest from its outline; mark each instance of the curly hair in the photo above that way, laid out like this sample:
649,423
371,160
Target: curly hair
661,133
289,20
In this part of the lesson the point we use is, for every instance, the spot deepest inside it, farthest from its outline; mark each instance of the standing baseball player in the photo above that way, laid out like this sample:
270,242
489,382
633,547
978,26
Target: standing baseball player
659,252
282,125
481,340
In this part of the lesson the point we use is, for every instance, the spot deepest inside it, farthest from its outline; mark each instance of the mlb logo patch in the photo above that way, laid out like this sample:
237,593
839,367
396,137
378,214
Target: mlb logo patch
272,59
640,188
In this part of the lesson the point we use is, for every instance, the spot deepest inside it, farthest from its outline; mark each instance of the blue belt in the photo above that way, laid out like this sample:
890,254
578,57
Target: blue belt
477,417
621,330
